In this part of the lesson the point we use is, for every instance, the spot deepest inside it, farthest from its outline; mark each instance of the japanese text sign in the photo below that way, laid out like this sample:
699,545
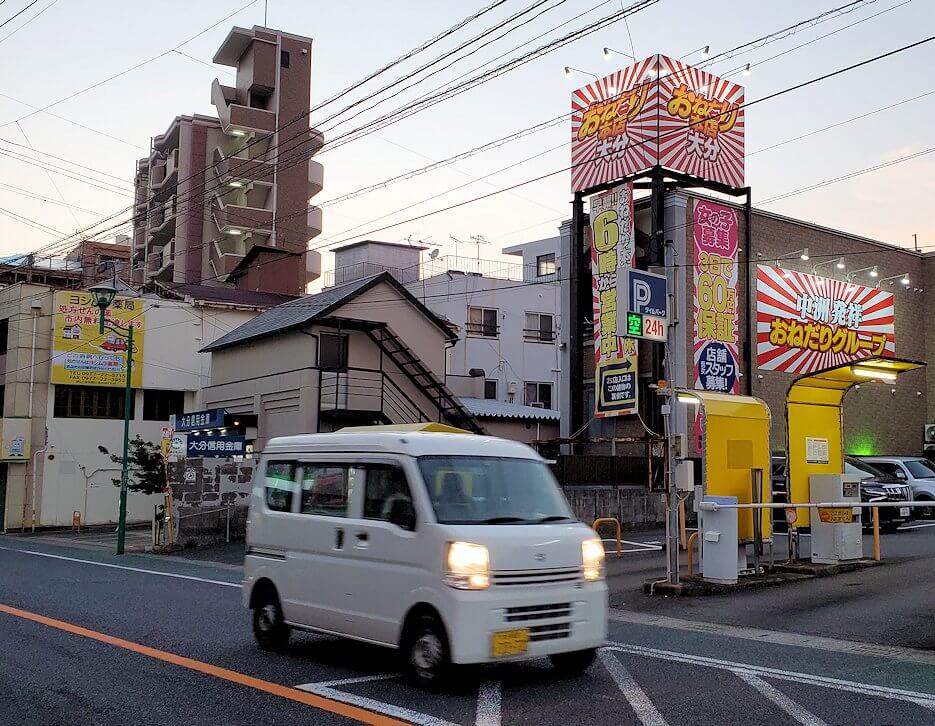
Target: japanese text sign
216,446
657,111
805,323
81,355
212,418
612,256
714,307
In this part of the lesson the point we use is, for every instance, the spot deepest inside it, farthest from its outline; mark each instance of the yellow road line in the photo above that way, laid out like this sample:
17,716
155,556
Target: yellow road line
309,699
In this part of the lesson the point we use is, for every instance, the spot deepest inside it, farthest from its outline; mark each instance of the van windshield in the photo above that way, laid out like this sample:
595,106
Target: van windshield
492,490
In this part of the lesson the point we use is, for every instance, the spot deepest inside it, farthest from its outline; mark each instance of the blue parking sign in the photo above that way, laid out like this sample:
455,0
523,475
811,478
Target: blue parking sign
647,294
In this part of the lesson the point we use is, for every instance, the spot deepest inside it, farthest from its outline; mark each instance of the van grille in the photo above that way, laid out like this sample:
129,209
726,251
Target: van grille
537,577
556,631
538,612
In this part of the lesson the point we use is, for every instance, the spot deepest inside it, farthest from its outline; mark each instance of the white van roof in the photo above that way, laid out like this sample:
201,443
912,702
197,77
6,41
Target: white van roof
408,443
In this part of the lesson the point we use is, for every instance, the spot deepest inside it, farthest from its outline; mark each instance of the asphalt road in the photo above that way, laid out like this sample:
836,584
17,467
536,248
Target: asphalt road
86,637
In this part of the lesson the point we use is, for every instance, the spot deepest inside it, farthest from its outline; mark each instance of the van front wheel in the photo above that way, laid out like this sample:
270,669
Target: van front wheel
428,657
574,663
269,625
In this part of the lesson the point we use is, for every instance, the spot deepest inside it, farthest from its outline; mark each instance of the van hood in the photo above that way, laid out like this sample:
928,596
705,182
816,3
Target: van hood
528,546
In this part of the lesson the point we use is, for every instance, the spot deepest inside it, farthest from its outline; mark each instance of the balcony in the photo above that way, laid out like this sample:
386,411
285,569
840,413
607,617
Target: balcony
166,264
316,178
162,225
359,392
314,221
317,139
241,169
235,219
226,254
166,173
312,265
237,119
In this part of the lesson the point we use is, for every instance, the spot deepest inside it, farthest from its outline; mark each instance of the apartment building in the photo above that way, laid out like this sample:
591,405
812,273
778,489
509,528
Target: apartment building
506,315
224,201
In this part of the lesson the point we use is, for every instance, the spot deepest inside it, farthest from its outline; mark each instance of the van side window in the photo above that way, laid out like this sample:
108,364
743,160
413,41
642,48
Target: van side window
280,485
326,489
387,496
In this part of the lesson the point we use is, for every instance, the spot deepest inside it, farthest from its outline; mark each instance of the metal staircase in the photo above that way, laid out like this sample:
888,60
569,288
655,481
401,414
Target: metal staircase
450,409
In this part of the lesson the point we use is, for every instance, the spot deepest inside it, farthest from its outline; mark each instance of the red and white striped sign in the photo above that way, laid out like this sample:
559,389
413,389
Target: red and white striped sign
658,111
806,323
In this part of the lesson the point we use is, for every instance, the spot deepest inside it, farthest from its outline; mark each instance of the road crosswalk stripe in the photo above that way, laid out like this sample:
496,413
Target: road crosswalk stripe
643,708
488,704
796,711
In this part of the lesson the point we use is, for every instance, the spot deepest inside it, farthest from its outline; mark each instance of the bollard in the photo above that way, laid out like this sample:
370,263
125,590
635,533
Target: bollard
690,546
876,534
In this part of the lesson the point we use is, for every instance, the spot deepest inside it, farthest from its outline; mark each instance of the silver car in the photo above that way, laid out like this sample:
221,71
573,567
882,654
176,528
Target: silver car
916,471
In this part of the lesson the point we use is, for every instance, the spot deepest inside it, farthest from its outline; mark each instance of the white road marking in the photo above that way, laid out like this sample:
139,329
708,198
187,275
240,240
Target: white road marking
488,704
124,567
865,689
349,681
834,645
917,526
800,714
643,708
371,704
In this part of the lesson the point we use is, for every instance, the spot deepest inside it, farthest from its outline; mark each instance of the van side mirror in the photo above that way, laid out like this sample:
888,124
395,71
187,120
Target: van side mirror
402,514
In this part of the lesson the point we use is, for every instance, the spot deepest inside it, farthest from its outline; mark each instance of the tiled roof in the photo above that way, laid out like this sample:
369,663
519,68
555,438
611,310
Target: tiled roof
228,295
486,408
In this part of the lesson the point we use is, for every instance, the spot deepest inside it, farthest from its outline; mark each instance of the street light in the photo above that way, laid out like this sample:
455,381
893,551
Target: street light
610,52
570,72
873,271
104,294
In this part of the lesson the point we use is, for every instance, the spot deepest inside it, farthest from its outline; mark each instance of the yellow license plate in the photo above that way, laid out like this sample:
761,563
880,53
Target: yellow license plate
509,642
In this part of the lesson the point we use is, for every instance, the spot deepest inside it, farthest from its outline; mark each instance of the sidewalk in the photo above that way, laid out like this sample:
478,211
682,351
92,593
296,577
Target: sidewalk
138,538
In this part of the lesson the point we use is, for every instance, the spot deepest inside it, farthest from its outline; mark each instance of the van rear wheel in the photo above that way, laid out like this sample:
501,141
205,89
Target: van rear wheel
269,625
428,657
574,663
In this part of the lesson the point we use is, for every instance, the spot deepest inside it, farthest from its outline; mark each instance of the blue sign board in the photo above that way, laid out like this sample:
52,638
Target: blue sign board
717,369
647,294
213,418
216,446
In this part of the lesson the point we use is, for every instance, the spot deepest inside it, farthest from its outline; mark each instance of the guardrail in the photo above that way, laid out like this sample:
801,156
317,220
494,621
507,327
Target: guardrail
616,522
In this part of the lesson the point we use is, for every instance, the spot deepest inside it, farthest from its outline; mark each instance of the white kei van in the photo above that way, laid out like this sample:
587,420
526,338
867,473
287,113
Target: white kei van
453,547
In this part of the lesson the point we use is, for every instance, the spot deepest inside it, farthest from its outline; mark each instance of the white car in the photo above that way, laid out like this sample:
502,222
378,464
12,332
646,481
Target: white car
454,548
916,471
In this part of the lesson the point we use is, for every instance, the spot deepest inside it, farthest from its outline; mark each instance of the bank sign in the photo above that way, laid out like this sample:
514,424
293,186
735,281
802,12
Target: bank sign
216,446
662,112
805,323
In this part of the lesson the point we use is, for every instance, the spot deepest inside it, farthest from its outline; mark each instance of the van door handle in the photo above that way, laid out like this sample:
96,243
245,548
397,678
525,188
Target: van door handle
363,540
339,539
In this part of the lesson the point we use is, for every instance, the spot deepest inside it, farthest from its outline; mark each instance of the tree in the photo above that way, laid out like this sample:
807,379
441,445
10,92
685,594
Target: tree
147,468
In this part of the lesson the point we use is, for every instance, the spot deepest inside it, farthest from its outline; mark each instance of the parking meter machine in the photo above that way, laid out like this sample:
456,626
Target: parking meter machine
836,531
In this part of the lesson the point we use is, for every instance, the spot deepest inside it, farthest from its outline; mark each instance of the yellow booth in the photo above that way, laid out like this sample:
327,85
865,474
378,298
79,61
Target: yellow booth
735,452
814,422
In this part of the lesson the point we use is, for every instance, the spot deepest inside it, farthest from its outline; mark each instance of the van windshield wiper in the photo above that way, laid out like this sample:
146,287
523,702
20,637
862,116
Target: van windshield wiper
503,520
554,518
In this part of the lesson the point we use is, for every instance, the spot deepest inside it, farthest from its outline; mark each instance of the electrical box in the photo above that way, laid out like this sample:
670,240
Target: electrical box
837,534
719,543
684,475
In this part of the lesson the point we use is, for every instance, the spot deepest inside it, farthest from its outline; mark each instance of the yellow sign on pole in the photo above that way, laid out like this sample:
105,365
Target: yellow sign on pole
81,355
836,515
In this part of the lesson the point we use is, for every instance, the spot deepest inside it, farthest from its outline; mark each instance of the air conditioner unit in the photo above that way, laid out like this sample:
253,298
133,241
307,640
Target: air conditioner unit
511,387
928,447
930,433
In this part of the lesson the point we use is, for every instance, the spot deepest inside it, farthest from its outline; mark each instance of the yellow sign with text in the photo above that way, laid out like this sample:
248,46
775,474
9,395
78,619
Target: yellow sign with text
81,355
836,515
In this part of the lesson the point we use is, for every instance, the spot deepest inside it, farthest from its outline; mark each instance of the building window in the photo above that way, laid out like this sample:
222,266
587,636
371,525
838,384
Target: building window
540,327
490,389
284,58
483,322
90,402
539,395
159,405
545,265
332,352
4,335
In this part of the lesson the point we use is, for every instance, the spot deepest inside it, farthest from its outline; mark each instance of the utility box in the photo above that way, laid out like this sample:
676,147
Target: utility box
719,543
837,534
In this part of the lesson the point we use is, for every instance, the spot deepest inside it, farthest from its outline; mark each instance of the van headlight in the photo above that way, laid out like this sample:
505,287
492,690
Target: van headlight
468,566
592,557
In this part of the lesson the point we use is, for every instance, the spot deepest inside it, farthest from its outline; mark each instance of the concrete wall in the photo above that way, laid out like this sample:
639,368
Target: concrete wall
202,498
529,251
508,359
519,430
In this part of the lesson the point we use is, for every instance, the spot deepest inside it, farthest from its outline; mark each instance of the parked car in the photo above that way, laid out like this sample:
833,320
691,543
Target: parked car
875,485
916,471
453,548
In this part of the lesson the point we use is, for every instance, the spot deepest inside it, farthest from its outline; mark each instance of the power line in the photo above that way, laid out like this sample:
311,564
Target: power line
16,15
16,30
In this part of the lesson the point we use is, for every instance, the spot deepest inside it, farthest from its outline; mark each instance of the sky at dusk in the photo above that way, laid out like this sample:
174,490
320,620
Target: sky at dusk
58,47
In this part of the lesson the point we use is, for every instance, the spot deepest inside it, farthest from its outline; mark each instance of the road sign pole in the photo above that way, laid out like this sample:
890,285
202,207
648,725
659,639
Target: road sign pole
125,469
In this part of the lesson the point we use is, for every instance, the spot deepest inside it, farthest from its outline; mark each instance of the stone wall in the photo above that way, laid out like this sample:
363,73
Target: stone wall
206,493
635,506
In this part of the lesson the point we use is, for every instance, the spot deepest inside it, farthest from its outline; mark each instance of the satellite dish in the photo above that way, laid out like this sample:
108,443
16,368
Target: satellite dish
434,253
